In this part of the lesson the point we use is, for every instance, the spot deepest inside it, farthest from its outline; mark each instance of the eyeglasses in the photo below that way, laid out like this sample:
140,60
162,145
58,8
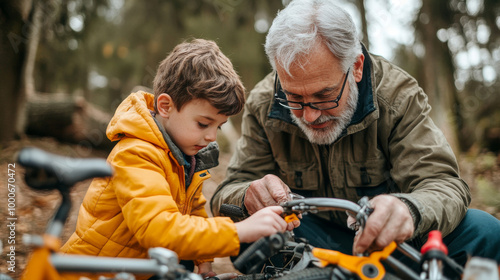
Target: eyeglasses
322,105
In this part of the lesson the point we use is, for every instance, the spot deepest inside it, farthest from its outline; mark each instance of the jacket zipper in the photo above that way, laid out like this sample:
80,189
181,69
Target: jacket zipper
201,177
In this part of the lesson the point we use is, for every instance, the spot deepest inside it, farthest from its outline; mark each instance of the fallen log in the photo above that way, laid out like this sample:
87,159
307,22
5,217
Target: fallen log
67,118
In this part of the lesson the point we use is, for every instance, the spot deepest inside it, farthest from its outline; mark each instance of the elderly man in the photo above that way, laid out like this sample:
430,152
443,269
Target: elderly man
333,120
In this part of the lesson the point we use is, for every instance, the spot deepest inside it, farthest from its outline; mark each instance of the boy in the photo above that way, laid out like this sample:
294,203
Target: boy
166,144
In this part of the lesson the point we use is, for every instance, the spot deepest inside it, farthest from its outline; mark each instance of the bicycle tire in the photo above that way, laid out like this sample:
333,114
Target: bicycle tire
256,276
326,273
315,273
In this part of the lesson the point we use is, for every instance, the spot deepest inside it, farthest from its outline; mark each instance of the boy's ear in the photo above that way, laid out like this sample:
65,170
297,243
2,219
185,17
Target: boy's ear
164,105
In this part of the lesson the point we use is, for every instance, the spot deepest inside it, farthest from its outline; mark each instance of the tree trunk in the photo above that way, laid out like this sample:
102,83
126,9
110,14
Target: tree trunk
438,80
14,36
27,87
364,25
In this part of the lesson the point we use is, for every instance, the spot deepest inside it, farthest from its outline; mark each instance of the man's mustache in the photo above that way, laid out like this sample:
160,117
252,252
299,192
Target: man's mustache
320,120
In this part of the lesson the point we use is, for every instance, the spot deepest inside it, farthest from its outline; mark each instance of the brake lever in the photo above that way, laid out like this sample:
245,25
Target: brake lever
365,211
362,216
290,213
294,196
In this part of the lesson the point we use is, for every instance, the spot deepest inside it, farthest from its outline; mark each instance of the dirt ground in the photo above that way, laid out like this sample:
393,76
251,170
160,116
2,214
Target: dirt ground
33,209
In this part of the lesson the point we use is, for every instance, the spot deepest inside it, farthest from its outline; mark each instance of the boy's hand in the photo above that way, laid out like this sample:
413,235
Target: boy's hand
293,224
205,270
225,276
264,222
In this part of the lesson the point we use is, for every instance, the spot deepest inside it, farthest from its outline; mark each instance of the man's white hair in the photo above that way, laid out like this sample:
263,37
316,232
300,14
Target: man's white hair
304,23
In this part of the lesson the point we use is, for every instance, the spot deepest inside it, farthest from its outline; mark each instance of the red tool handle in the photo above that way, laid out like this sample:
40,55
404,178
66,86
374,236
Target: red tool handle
435,242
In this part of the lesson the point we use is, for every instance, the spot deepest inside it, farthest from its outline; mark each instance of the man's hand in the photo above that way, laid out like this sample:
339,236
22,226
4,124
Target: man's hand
390,221
268,191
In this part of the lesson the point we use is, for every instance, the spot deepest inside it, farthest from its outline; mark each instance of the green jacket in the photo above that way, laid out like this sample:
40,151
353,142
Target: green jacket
390,146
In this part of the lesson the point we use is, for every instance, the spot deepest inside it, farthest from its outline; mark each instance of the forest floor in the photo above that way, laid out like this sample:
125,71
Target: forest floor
34,209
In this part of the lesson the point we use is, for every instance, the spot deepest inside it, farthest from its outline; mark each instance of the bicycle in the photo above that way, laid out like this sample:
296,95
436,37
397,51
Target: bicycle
319,264
47,171
302,259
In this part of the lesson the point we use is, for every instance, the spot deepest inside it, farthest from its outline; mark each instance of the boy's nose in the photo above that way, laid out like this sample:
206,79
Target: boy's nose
211,136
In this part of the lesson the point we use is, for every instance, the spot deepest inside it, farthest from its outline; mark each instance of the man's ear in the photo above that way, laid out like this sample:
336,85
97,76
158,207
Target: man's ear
164,105
358,68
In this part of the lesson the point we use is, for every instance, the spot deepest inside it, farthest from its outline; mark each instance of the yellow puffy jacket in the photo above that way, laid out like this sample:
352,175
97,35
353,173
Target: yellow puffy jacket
147,203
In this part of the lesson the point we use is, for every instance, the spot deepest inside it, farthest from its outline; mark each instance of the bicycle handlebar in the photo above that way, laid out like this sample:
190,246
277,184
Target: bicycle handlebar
315,204
360,210
163,263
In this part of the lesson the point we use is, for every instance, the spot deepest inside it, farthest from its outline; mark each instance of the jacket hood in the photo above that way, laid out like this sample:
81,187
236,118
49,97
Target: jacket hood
133,119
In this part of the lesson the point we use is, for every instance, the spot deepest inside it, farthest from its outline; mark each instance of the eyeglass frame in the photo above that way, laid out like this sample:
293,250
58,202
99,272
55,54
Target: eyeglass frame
310,104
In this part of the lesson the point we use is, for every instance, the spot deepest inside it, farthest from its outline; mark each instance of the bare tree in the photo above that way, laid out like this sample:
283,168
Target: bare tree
436,75
360,4
15,18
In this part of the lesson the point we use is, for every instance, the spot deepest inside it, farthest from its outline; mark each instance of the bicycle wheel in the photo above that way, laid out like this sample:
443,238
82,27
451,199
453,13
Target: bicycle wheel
256,276
326,273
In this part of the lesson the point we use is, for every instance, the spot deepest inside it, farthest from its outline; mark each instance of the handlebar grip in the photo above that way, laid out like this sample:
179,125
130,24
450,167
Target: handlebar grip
257,254
232,211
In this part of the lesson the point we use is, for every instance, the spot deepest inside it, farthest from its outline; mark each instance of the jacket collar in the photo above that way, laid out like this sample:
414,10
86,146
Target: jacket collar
365,106
206,158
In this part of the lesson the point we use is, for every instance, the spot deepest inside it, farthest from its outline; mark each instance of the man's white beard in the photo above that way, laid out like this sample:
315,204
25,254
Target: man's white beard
329,134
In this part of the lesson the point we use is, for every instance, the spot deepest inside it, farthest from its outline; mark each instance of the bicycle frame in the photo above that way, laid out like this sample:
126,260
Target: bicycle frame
39,266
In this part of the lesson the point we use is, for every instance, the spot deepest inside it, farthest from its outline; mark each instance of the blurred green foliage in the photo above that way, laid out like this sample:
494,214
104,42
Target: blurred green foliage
120,43
101,49
488,193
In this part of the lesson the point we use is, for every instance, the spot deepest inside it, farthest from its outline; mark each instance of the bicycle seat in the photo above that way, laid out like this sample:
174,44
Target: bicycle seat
47,171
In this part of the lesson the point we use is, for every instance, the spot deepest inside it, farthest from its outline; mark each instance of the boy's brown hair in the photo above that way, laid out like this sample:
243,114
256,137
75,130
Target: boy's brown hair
198,69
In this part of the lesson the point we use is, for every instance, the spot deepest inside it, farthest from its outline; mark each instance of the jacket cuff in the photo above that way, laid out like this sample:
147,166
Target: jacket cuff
413,212
244,208
198,262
